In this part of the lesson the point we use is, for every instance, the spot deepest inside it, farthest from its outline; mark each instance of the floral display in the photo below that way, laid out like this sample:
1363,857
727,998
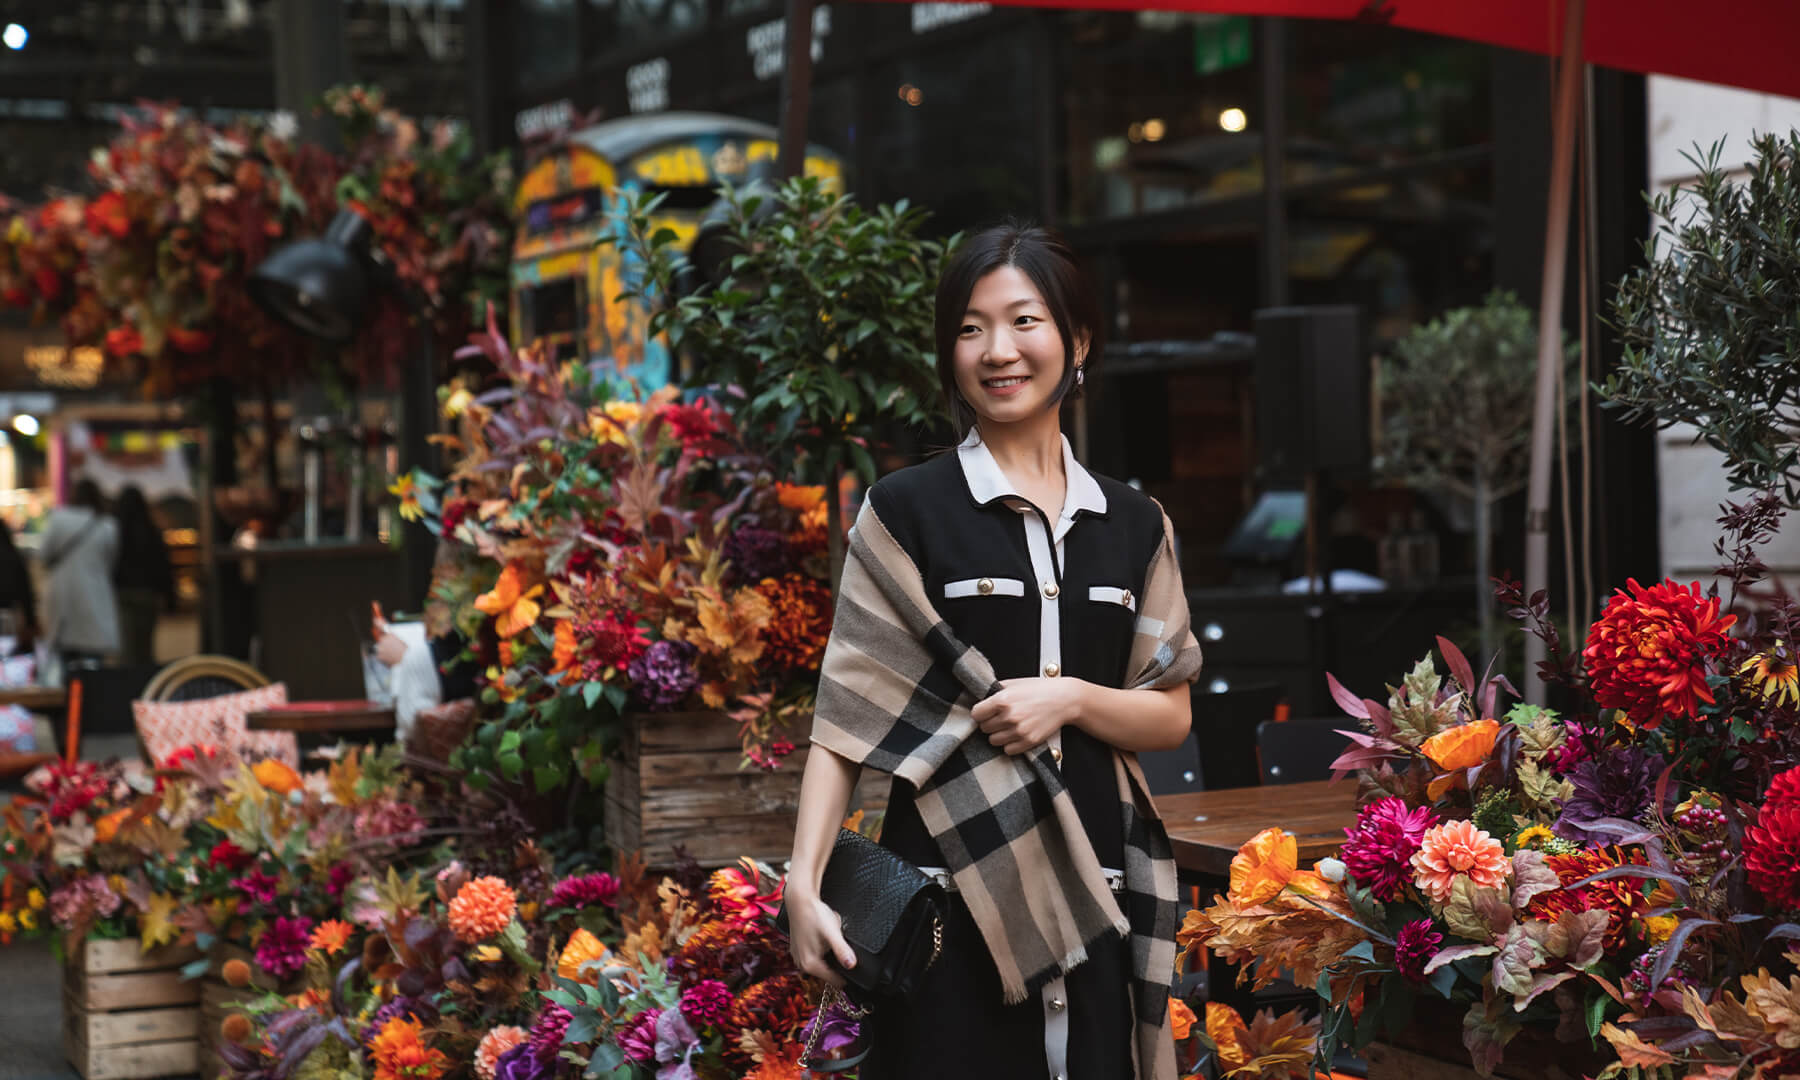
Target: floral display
611,554
1623,870
153,268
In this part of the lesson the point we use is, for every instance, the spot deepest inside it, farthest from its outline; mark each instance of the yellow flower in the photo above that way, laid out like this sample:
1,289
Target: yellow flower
486,954
1532,836
406,490
457,402
28,920
36,899
1657,928
1774,675
611,422
8,923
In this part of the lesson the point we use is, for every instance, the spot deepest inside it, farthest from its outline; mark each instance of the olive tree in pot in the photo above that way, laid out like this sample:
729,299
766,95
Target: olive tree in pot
1711,322
817,334
1456,396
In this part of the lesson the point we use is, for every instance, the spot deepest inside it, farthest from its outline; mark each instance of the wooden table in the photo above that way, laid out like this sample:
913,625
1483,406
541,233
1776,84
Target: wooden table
1208,827
35,698
326,717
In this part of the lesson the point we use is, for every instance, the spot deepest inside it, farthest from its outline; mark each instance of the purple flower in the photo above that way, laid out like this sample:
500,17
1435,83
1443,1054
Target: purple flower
756,553
1617,784
1415,947
1378,849
585,890
664,676
282,949
258,887
837,1030
547,1034
674,1037
709,1002
520,1063
638,1037
340,875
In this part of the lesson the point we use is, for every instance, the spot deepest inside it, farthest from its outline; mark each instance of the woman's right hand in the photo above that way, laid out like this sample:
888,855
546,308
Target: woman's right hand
815,933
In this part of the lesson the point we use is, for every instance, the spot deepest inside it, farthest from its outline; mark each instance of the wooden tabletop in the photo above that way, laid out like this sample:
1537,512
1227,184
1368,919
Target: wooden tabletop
323,716
1208,827
34,697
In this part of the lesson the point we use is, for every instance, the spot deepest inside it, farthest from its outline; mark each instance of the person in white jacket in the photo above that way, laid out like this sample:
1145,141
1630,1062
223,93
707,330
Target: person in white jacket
79,548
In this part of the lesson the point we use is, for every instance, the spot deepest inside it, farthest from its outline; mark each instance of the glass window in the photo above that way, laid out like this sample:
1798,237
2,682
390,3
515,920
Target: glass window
954,129
630,24
547,45
1160,109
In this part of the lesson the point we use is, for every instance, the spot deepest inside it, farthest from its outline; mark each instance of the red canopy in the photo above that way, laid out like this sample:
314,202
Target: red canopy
1747,43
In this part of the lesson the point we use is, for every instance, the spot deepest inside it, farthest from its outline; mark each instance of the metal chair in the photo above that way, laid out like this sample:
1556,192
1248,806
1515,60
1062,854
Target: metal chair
1295,751
194,678
1172,772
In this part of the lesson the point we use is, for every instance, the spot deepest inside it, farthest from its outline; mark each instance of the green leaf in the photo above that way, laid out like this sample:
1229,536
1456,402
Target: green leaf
591,692
1596,1015
1443,980
511,765
546,778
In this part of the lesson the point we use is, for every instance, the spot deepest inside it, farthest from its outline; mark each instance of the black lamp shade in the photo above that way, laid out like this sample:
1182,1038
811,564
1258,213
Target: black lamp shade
321,286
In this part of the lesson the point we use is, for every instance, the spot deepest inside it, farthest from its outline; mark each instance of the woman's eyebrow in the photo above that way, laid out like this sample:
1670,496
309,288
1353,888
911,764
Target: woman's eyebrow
1022,302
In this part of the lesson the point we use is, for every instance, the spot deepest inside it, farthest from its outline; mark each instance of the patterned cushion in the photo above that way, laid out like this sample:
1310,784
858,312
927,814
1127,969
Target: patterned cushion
167,726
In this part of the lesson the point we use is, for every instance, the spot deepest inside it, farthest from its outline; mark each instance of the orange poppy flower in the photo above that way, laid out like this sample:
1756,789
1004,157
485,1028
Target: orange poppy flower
562,653
1263,867
1182,1018
583,948
1455,749
331,936
800,496
1228,1033
108,827
513,606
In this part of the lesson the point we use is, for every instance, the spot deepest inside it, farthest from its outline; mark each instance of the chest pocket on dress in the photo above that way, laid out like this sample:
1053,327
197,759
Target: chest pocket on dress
1107,594
987,586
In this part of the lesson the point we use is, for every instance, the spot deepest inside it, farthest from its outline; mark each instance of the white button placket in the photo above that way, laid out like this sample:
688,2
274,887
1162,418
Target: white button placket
1040,544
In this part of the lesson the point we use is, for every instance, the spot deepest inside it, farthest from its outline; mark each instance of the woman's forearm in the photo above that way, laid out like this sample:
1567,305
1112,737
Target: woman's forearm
1135,720
825,789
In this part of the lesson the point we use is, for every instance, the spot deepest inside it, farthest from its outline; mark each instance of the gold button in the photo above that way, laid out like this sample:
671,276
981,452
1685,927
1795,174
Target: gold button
1050,590
1126,599
984,586
1052,670
1056,754
1058,1004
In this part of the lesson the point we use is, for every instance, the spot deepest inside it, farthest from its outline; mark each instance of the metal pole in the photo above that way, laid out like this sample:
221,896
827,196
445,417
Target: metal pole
1550,363
796,87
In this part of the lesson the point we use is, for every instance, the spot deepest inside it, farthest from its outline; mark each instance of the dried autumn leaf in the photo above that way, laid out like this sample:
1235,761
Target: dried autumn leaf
1635,1053
1776,1004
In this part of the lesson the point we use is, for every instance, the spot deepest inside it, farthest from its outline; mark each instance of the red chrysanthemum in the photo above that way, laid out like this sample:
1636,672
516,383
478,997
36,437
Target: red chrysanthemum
1651,651
795,636
1772,854
1622,898
611,641
694,424
777,1006
1784,790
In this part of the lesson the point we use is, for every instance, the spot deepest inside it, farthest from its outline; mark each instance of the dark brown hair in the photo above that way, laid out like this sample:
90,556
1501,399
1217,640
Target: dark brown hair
1043,256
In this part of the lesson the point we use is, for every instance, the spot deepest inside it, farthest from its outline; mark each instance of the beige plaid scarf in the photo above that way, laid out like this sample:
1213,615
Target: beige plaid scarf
895,694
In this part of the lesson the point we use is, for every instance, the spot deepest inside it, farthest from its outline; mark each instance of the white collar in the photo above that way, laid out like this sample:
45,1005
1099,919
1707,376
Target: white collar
987,482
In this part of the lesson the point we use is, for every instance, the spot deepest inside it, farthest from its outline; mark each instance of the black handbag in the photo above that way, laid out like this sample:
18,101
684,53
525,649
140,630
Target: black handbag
893,915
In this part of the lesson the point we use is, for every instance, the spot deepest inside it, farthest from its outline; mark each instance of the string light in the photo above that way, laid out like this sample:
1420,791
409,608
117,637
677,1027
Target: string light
1233,120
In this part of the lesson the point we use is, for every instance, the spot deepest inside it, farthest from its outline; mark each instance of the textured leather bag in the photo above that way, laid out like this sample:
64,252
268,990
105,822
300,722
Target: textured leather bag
893,915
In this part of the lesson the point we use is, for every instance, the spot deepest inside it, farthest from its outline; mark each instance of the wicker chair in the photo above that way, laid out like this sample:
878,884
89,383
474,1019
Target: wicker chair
195,678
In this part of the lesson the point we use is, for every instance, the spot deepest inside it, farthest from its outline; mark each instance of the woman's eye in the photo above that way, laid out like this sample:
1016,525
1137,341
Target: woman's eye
967,330
1025,320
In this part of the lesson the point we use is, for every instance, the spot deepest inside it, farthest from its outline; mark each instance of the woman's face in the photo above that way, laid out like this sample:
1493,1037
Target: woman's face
1009,355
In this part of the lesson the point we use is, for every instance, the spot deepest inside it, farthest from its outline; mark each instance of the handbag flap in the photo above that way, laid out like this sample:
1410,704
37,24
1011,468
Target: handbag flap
870,888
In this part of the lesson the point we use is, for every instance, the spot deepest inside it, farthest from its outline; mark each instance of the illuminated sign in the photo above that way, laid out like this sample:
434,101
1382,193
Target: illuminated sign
75,369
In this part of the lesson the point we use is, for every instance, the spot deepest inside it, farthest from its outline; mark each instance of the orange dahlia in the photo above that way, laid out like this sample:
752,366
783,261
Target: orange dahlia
400,1052
1650,653
481,909
1622,898
493,1044
1457,849
795,636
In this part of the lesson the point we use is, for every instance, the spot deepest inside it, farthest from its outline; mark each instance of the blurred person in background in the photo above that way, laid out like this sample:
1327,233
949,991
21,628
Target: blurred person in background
79,549
142,574
17,598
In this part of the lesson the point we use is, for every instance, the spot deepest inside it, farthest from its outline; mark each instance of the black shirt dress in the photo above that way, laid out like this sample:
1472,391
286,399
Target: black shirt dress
1039,593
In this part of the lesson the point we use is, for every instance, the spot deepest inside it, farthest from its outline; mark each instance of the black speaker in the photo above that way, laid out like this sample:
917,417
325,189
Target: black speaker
1311,383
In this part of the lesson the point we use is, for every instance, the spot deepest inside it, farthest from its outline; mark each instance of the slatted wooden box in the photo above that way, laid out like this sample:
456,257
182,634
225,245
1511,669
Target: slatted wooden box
677,782
219,1000
128,1013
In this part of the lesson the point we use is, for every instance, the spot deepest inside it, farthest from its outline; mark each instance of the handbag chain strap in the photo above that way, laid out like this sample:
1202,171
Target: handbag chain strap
835,997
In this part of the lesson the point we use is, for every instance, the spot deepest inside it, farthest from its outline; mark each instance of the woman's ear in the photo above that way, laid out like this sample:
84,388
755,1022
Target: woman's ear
1082,341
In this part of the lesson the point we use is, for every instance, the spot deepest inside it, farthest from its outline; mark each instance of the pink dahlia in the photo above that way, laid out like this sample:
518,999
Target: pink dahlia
493,1044
707,1002
547,1034
258,887
281,951
585,890
1457,849
1418,942
638,1037
1378,849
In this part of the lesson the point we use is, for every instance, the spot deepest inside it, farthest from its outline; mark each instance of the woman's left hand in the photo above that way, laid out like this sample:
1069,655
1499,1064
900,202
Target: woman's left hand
1026,712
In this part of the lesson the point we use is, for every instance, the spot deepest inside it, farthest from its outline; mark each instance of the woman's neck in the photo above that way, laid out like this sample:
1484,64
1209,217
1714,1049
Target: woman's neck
1029,453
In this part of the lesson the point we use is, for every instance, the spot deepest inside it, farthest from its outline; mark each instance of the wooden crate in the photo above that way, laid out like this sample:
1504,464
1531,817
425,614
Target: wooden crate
219,1000
128,1013
677,782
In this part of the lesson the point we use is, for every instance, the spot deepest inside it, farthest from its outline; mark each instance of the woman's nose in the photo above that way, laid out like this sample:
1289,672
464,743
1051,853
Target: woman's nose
1002,349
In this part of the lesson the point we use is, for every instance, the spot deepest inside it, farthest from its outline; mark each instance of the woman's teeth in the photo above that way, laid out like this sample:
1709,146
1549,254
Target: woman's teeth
1013,381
